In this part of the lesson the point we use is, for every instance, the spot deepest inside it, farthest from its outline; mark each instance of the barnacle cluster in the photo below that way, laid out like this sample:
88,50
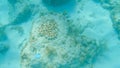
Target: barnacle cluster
49,29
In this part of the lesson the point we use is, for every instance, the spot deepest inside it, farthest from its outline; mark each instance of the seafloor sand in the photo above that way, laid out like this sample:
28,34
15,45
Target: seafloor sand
59,34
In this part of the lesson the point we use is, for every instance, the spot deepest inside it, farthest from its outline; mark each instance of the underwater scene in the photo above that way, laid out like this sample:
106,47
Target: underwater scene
59,33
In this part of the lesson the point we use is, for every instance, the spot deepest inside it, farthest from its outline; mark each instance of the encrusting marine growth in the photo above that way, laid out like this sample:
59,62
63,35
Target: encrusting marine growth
50,46
56,42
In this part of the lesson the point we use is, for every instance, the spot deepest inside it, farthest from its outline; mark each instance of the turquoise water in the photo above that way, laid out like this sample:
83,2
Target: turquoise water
59,33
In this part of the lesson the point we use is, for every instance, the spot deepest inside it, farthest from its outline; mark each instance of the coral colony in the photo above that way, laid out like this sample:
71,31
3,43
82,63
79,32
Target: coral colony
55,42
56,38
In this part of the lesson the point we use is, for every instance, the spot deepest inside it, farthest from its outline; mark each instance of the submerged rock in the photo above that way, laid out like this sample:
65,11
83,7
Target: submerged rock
23,16
13,2
3,35
50,39
60,5
56,2
3,48
114,8
115,16
108,4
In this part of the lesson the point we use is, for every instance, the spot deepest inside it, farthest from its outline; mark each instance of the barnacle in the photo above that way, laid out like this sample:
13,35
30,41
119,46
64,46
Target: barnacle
49,29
